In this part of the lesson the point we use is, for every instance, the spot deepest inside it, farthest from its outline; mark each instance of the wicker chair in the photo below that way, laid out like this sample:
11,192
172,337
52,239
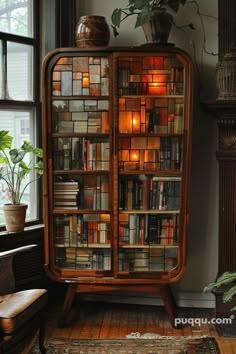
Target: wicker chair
21,313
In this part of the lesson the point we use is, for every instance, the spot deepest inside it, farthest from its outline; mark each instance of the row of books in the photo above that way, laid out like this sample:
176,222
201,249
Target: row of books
171,153
90,192
166,155
81,154
161,259
129,260
170,81
140,88
76,230
150,193
148,229
83,259
159,121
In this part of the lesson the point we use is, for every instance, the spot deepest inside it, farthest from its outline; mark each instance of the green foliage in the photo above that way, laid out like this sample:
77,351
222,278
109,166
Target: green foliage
14,168
143,10
225,279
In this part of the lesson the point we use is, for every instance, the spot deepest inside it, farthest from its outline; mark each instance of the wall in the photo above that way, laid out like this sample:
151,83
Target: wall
202,246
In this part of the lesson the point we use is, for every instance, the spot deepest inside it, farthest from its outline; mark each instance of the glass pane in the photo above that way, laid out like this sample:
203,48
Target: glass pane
1,71
20,126
16,17
19,71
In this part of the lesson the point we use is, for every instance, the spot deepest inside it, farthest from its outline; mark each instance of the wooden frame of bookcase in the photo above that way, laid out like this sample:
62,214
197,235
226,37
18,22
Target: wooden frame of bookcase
98,281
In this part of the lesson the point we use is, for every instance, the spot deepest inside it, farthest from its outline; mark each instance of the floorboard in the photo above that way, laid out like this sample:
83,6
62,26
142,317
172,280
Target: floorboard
112,320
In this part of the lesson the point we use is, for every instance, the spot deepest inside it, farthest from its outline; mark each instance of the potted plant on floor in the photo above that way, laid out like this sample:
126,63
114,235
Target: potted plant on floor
226,279
152,15
16,164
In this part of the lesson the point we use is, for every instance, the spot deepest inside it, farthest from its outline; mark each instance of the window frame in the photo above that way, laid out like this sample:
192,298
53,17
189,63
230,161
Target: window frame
35,103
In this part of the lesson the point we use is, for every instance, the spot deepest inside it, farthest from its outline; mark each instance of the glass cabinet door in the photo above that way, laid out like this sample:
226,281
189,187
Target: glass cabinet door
80,154
151,120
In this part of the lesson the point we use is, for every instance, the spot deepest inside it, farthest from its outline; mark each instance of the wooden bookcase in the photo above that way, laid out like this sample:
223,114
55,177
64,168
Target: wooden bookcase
117,143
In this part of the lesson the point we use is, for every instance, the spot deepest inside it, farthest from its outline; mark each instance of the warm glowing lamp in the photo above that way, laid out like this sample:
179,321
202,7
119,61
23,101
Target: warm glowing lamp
135,122
156,88
85,80
134,155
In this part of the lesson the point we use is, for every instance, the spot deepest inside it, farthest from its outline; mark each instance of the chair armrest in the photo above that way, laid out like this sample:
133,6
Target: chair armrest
15,251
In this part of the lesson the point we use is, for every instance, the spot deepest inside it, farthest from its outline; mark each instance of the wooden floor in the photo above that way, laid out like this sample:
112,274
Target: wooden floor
111,320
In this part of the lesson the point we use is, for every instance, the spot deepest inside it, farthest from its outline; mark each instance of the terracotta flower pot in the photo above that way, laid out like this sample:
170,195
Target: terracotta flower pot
15,216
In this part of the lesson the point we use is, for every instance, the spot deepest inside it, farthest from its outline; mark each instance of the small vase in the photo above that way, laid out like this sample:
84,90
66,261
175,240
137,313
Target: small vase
15,216
92,31
226,76
157,30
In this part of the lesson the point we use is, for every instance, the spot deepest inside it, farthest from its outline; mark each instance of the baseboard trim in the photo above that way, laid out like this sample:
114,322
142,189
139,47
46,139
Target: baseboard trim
182,299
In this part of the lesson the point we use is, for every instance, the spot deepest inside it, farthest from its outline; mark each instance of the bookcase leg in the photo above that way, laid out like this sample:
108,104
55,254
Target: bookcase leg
168,300
69,298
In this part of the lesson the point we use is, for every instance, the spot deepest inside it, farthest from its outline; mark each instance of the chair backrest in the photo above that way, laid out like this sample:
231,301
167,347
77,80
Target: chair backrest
7,277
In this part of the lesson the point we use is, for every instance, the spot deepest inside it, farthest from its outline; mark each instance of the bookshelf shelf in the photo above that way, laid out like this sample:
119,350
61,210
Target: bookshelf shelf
79,211
80,172
117,143
149,211
148,246
153,96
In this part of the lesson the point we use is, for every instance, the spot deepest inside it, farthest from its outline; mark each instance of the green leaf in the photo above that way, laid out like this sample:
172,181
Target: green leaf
224,279
5,140
143,16
27,147
233,308
141,4
25,167
115,32
3,159
39,167
16,155
116,17
229,294
38,152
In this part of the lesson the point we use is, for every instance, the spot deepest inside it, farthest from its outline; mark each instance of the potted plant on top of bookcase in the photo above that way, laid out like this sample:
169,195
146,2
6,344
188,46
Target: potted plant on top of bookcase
15,166
152,15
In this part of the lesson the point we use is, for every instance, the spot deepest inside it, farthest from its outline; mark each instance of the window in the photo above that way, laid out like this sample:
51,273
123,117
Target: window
19,84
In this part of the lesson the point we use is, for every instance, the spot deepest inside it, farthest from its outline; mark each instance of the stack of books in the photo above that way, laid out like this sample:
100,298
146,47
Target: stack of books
66,195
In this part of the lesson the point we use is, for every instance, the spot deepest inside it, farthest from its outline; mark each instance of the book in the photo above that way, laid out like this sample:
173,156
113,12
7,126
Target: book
66,186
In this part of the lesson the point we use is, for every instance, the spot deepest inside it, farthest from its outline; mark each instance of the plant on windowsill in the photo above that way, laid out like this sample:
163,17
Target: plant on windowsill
152,15
227,278
16,165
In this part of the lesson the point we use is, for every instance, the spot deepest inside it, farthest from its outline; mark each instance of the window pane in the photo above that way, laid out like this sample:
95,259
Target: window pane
1,71
19,71
16,17
20,124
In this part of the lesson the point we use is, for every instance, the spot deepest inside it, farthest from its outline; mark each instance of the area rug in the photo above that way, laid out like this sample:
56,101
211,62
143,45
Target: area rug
158,345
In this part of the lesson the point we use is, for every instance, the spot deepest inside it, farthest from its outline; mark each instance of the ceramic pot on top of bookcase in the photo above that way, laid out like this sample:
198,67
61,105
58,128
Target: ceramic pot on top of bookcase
92,31
157,29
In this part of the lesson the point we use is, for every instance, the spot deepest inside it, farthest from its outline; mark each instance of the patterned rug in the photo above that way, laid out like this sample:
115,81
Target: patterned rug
153,345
